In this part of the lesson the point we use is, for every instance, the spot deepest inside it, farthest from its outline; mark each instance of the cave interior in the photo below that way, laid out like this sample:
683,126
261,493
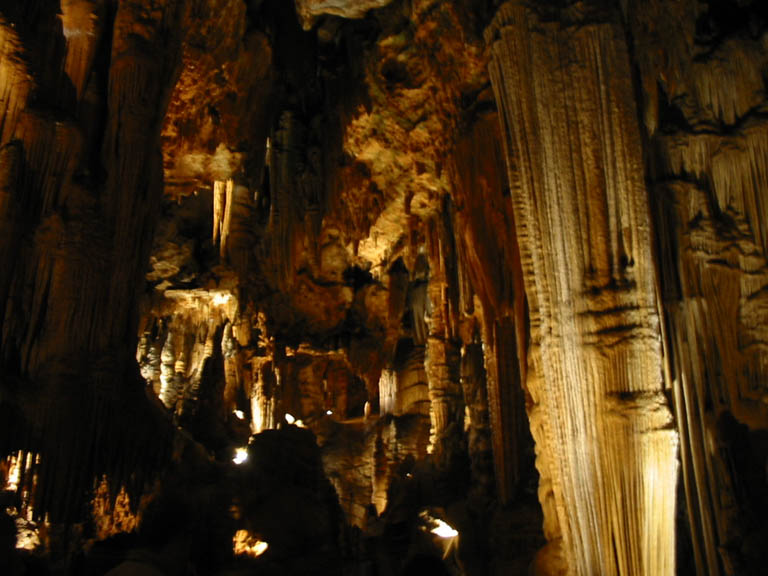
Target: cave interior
383,287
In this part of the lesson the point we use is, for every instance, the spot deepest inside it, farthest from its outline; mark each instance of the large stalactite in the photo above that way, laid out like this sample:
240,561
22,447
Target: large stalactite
581,207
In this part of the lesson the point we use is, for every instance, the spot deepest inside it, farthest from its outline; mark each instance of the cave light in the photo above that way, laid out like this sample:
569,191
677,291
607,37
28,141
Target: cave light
437,526
444,530
239,414
244,544
329,412
241,455
291,419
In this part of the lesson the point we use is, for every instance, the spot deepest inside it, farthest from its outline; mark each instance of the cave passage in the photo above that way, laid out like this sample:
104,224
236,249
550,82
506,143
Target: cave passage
383,287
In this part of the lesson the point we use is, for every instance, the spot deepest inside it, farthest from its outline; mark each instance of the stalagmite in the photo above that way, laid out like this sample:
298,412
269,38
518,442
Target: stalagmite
442,356
563,84
223,200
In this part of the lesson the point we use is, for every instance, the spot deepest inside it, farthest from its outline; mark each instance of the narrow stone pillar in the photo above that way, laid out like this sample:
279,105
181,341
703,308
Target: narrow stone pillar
443,354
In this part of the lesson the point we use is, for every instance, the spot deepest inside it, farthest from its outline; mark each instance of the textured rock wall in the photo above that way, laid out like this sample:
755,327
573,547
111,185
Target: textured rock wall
84,95
702,69
424,267
605,442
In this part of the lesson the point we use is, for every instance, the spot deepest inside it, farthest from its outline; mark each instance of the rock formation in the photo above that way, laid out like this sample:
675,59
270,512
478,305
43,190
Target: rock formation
348,287
599,414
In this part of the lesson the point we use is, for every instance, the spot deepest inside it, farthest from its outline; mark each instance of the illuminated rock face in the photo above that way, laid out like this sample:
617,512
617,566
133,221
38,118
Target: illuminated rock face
703,102
602,424
455,258
309,10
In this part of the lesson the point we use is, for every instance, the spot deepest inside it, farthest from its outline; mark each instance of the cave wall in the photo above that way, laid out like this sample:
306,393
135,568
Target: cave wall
702,104
85,91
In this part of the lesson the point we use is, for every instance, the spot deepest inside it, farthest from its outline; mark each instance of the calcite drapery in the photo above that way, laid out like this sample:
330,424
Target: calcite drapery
702,68
82,188
601,420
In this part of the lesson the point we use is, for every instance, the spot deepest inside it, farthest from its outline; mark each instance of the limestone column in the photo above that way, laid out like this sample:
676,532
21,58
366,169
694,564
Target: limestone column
600,417
443,354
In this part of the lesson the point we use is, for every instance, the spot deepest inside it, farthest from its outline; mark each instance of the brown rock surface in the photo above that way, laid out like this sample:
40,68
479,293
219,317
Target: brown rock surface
582,212
458,242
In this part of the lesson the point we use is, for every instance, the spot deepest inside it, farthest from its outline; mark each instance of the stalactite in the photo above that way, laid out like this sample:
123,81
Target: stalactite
412,389
10,164
734,166
506,405
492,289
387,392
15,80
285,213
219,204
169,392
82,26
227,220
264,396
573,148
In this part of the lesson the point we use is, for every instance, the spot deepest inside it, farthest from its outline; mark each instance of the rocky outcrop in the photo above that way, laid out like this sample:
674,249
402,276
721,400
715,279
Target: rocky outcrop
310,10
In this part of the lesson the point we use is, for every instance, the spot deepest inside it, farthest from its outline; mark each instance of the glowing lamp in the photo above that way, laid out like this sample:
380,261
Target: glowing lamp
444,530
241,455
